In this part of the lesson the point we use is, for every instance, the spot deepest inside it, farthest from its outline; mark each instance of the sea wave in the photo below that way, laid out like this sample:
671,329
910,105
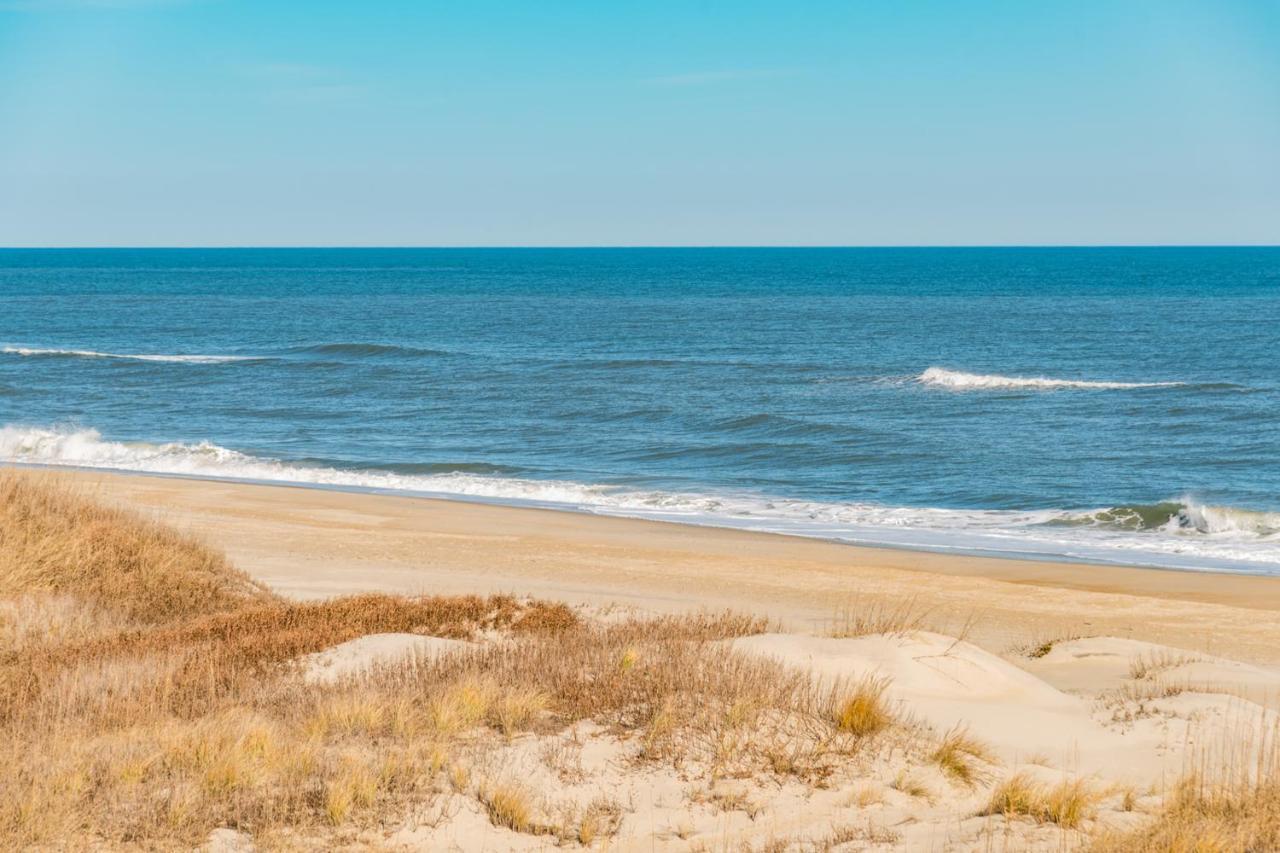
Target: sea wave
955,380
1181,533
356,350
87,448
36,352
366,350
1183,516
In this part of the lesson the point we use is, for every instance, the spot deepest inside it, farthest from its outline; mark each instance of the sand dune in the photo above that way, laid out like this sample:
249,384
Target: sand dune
1025,706
889,800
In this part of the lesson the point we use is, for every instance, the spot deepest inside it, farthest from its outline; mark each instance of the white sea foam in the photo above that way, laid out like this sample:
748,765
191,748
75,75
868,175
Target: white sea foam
1183,534
86,448
86,353
940,377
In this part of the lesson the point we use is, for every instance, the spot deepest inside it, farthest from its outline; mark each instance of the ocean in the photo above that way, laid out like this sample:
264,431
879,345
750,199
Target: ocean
1116,405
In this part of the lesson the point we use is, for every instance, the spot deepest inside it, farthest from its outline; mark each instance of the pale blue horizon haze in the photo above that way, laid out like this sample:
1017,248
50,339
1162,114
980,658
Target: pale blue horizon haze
667,123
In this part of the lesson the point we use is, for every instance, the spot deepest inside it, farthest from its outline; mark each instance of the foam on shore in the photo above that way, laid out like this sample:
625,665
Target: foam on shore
1181,533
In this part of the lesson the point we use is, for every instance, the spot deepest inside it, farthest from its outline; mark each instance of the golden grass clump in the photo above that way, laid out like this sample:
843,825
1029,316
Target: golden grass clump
863,712
509,805
354,787
910,785
517,709
461,706
1068,803
962,756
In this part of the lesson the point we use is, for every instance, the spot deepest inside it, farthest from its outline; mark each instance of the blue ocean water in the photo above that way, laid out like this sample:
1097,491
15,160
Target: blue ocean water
1101,404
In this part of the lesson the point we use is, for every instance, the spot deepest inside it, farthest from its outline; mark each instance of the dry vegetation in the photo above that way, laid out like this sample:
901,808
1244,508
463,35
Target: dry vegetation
1228,803
876,617
1068,803
151,693
963,757
119,567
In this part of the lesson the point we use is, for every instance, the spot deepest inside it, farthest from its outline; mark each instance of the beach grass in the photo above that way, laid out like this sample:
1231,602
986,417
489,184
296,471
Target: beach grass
165,699
1229,800
151,693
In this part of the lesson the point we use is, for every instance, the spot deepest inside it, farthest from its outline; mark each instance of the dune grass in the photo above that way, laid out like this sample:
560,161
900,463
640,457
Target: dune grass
1068,803
150,693
1229,801
1207,817
963,757
862,711
55,540
864,618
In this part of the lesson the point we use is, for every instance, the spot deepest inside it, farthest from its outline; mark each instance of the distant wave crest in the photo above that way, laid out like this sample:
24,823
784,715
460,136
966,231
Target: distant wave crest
367,350
36,352
940,377
353,350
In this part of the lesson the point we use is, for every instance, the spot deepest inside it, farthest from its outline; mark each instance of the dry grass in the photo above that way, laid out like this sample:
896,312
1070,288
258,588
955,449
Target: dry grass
208,658
1151,664
39,619
143,708
53,540
962,756
509,804
911,786
1068,804
149,694
1141,692
868,618
1229,802
865,796
1041,646
601,819
862,711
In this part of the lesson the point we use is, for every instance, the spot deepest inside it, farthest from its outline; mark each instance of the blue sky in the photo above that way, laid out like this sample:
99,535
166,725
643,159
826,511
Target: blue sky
127,122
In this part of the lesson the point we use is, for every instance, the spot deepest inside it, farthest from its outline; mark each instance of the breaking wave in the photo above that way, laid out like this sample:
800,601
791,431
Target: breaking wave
940,377
1182,533
1186,515
86,448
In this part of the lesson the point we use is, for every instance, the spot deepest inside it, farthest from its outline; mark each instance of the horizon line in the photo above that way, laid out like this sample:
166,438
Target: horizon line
623,246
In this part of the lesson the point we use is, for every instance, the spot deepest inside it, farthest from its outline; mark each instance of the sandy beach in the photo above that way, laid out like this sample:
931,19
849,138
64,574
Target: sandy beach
312,543
445,675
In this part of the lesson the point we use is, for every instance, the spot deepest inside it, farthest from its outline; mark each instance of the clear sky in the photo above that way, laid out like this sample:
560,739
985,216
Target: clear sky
549,122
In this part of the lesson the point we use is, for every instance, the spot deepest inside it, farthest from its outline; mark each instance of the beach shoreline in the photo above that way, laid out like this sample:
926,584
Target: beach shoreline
315,543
